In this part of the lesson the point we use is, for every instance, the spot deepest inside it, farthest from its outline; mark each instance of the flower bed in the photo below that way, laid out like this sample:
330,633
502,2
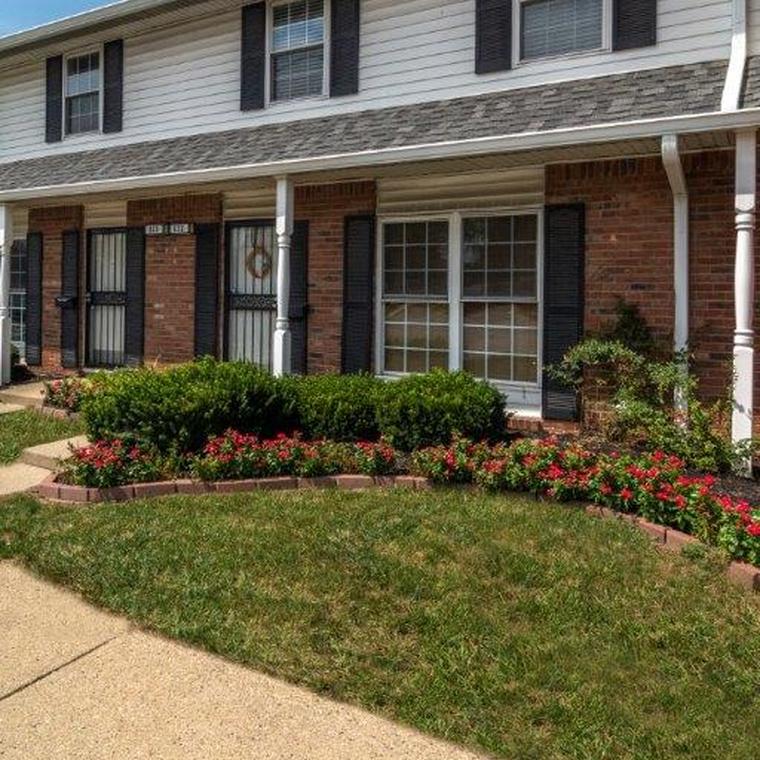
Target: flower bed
654,487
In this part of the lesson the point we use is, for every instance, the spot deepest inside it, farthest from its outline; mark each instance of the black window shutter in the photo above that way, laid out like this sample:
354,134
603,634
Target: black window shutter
358,271
54,100
253,57
113,86
344,47
34,243
69,300
563,301
206,289
134,337
634,24
299,298
493,36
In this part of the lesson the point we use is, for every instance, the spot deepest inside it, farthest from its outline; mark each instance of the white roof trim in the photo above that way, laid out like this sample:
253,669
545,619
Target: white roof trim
566,137
78,22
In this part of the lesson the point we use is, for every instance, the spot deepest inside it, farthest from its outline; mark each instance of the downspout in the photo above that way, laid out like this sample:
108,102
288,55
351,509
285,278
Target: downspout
671,159
732,89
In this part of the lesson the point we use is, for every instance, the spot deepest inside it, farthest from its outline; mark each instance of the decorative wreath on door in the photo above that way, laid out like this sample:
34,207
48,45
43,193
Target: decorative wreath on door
258,262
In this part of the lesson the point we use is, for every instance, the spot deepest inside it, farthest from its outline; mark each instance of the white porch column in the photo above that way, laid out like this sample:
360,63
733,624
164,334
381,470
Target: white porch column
282,338
744,286
6,241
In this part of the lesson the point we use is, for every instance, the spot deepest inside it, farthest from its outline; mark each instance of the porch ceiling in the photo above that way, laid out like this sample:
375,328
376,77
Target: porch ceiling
478,126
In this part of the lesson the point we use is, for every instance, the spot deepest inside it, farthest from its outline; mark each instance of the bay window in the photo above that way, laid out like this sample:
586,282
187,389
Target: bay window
462,292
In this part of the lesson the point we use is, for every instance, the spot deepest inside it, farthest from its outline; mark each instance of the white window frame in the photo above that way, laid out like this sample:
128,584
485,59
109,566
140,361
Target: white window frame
455,299
270,102
66,59
518,60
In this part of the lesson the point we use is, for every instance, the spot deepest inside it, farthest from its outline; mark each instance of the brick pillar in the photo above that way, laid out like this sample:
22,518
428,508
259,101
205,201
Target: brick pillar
326,208
170,273
52,223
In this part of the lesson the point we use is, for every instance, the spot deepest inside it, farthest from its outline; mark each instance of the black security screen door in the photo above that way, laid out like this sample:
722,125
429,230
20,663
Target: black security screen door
251,292
107,298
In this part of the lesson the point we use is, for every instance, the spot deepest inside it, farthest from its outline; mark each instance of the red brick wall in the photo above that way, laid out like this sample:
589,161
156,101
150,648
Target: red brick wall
629,251
326,207
170,273
52,223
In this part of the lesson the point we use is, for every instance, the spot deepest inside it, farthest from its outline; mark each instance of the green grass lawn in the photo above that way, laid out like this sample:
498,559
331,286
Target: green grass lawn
529,630
20,430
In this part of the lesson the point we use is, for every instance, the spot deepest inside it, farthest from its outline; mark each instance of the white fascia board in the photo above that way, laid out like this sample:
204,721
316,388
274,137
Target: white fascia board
77,22
479,146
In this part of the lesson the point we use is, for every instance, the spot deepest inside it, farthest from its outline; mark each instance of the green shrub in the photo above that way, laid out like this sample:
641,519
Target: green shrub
179,408
644,408
426,410
338,407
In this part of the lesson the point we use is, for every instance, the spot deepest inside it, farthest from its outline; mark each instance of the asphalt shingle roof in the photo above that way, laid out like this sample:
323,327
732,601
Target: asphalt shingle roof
672,91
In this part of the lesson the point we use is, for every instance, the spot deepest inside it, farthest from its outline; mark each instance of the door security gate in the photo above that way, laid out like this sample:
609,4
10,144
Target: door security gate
107,298
251,292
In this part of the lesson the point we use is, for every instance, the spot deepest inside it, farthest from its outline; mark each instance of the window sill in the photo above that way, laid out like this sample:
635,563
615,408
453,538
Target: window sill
559,57
282,104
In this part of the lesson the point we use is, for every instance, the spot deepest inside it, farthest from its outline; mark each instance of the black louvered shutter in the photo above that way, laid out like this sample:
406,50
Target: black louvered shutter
34,243
113,86
493,36
206,289
68,302
299,298
54,100
634,24
357,294
134,332
344,47
563,301
253,57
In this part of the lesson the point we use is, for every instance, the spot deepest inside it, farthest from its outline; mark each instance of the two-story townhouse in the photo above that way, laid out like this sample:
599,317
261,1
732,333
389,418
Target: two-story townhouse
366,185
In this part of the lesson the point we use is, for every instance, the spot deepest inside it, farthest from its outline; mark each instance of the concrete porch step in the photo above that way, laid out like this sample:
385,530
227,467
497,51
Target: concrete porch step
10,408
28,395
19,477
48,456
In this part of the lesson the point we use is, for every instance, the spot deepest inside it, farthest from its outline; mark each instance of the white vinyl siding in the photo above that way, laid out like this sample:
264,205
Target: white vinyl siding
185,78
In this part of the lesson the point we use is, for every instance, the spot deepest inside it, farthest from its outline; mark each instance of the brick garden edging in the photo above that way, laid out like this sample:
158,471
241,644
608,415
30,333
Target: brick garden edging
52,490
669,539
673,540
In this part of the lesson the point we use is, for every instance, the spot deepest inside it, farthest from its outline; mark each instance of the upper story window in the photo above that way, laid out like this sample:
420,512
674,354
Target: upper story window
298,49
557,27
82,89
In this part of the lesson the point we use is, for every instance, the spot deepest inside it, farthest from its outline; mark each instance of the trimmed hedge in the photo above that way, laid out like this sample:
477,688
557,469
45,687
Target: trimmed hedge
426,410
179,409
338,407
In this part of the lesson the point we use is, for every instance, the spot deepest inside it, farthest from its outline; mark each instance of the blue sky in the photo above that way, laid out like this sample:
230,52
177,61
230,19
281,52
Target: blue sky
21,14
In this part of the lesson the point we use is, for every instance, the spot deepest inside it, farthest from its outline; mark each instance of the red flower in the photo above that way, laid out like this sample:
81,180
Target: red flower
626,494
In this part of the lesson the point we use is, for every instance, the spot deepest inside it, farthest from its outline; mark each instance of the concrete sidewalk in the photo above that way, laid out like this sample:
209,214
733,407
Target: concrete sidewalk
76,682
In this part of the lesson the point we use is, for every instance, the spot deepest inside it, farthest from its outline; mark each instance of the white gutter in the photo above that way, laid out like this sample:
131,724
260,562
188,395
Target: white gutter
6,241
671,159
480,146
78,22
732,90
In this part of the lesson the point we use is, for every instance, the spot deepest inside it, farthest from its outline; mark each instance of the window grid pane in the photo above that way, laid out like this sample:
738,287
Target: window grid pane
297,62
415,295
500,298
18,299
83,94
554,27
